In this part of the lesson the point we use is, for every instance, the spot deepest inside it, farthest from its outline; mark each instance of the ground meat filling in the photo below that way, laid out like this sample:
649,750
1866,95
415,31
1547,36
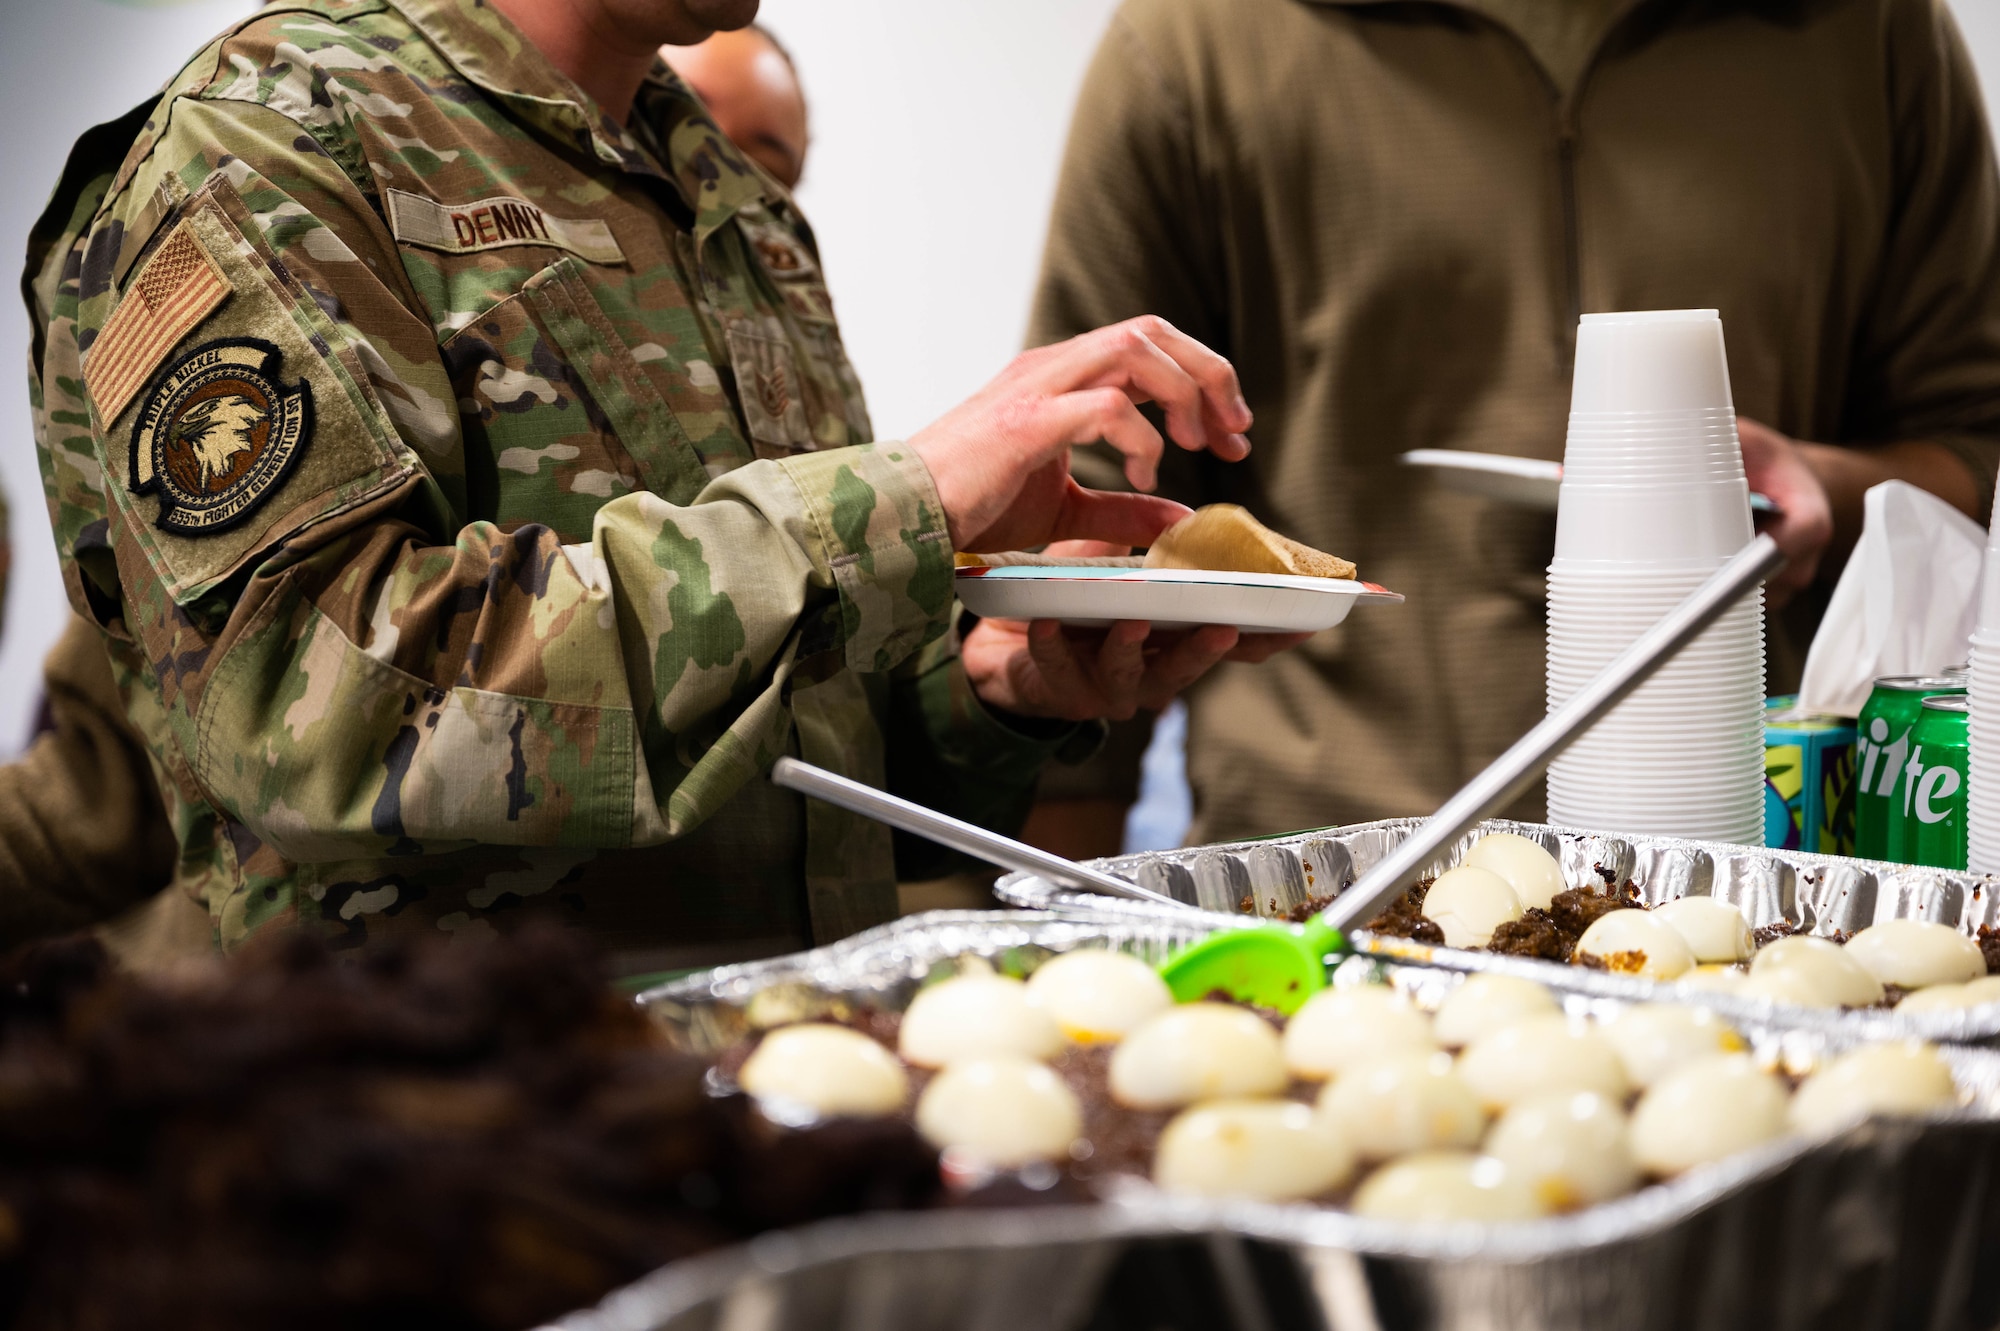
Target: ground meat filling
1405,918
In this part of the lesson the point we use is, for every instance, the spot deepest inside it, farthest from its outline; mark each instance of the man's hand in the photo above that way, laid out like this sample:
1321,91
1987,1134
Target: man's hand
1780,467
1043,669
1001,458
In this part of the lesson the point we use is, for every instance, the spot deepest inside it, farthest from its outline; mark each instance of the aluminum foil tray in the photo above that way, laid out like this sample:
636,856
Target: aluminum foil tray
1893,1224
1822,893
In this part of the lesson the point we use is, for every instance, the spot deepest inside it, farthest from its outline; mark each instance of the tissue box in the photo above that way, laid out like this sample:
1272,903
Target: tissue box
1808,779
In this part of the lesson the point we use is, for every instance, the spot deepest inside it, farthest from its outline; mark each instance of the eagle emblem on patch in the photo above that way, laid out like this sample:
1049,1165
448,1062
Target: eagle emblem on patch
218,434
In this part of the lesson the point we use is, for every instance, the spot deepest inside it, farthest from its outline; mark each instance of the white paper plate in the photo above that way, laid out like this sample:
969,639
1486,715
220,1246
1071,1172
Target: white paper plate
1533,482
1167,597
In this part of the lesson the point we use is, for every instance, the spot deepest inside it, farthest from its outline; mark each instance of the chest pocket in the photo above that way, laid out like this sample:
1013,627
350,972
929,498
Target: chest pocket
770,387
559,415
800,351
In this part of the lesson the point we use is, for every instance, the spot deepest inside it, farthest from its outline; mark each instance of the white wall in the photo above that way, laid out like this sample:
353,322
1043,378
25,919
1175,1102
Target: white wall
937,128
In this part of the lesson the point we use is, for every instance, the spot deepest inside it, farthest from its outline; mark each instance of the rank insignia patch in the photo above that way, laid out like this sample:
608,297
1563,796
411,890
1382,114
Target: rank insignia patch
217,435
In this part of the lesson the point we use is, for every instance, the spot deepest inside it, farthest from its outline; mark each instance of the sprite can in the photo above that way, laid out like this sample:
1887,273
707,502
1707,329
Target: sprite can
1881,756
1933,812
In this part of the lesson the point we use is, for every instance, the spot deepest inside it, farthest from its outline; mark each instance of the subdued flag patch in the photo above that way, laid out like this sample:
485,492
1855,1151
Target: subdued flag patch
178,288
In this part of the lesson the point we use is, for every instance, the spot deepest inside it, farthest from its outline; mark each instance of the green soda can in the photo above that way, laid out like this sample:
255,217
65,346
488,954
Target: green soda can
1933,812
1881,753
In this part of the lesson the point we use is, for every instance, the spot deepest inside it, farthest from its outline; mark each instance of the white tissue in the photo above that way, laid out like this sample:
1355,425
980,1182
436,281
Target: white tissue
1906,602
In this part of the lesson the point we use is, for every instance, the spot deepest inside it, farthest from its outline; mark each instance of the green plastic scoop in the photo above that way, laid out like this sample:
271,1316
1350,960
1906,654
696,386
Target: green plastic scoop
1280,966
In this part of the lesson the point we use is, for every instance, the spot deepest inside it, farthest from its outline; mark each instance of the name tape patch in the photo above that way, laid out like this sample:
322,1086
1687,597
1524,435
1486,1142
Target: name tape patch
178,288
489,224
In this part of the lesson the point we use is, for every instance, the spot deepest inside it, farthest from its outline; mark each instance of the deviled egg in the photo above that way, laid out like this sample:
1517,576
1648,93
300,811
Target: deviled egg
1542,1056
1915,954
1268,1150
1705,1110
1652,1039
1530,870
1097,996
1444,1186
1874,1079
828,1069
1486,1003
1633,942
1819,967
1338,1029
1001,1112
1197,1051
1469,903
1403,1103
1572,1149
1714,931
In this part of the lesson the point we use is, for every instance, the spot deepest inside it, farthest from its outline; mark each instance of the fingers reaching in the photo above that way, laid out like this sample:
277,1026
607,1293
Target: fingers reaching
1125,520
1149,359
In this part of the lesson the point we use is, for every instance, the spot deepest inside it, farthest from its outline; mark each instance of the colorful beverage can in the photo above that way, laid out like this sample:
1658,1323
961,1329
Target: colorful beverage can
1808,780
1933,812
1881,755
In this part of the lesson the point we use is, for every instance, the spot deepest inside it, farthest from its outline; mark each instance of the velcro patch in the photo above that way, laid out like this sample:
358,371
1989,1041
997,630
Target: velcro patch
489,224
178,287
219,433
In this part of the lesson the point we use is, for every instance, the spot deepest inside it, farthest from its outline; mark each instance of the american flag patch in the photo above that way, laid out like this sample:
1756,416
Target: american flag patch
178,288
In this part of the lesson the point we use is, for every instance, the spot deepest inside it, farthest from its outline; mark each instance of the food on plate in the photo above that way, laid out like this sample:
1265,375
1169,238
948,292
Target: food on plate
1000,1112
1704,1111
1340,1029
977,1016
1225,537
1469,904
1874,1079
830,1070
1542,1056
1652,1039
1197,1051
1822,966
1403,1103
1485,1003
1572,1149
1445,1186
1635,942
1915,954
1267,1150
1098,996
1714,931
1530,870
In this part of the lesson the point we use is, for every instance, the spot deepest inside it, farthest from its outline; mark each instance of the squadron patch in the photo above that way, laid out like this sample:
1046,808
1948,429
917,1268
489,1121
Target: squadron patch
217,435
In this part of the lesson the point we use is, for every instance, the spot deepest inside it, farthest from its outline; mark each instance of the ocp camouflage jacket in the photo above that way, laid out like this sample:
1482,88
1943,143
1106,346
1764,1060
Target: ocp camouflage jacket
478,499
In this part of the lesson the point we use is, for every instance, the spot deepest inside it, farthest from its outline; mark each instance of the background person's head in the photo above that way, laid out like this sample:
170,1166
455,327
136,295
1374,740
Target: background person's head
748,82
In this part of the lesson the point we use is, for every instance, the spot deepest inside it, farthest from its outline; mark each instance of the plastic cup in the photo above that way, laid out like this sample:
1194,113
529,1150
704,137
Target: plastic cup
1652,469
1650,361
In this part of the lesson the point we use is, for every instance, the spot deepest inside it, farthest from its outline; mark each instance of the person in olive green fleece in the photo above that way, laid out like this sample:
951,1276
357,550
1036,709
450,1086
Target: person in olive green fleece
1390,216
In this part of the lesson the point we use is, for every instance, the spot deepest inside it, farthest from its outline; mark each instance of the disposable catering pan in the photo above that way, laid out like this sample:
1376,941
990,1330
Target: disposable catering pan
1820,894
1895,1223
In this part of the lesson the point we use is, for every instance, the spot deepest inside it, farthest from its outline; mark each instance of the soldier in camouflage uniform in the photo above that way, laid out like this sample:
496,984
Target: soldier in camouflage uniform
477,499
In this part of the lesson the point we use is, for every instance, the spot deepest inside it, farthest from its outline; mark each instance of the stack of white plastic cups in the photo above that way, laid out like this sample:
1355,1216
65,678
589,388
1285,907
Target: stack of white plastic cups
1982,782
1654,501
